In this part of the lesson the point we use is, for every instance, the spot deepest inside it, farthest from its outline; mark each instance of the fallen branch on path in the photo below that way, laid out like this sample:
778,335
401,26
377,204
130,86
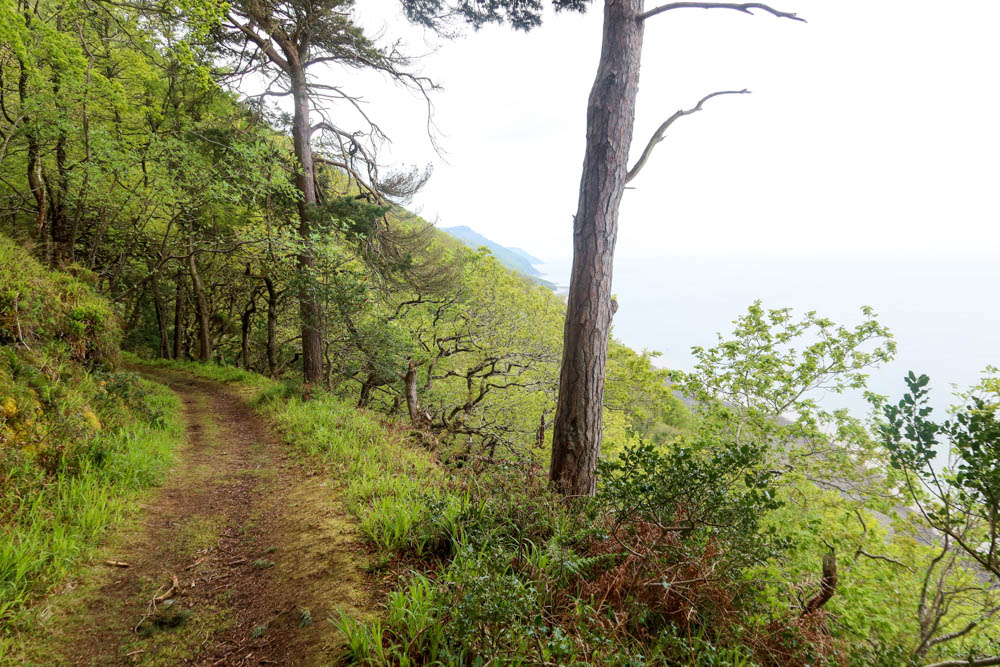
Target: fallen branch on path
174,585
195,564
157,599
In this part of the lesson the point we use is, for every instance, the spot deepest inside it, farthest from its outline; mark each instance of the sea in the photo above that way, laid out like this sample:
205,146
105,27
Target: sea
944,314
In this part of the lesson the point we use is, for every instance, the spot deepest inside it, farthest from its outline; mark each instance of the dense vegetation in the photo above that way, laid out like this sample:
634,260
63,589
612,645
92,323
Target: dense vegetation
751,527
78,437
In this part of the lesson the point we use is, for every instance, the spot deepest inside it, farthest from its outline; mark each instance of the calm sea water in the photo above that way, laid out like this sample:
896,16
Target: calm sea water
944,314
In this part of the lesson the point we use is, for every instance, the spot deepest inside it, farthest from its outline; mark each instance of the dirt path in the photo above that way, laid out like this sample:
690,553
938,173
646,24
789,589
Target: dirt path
261,550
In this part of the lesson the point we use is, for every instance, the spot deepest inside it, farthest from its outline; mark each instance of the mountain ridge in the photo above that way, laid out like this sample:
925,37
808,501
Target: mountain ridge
513,258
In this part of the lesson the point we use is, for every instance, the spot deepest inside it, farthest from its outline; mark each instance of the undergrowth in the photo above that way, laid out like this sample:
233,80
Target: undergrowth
494,566
79,440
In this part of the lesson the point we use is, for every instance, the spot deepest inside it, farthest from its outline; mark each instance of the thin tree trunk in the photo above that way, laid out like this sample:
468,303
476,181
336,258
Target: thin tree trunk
576,438
412,401
309,306
272,327
35,183
201,310
179,316
161,321
366,390
59,225
245,321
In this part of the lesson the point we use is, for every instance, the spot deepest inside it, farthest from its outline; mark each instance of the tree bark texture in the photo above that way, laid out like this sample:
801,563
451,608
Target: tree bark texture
828,585
412,400
576,439
309,306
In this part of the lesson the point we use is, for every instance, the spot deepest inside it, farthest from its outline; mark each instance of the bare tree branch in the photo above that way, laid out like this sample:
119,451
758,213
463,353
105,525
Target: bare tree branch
658,135
860,550
980,662
745,7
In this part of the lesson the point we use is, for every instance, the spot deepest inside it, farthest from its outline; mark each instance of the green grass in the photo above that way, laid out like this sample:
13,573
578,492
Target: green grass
225,374
395,490
79,441
53,521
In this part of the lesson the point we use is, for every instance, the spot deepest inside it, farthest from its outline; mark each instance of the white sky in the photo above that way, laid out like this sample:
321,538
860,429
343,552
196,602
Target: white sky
872,130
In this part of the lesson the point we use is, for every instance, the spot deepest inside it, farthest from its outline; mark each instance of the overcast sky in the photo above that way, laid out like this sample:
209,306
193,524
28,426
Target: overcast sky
863,169
871,130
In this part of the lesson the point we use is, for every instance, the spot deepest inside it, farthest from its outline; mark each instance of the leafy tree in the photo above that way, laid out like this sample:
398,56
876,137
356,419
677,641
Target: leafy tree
960,502
759,385
963,500
290,41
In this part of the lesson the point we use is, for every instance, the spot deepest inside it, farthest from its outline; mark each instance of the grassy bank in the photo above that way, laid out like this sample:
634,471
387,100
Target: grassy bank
80,440
53,517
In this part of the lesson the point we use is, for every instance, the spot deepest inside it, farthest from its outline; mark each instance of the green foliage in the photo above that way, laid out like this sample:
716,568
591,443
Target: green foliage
760,384
78,443
700,491
43,308
125,164
972,484
962,501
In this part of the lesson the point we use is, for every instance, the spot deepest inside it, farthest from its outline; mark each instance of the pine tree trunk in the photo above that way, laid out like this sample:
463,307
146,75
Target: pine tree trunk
309,306
576,438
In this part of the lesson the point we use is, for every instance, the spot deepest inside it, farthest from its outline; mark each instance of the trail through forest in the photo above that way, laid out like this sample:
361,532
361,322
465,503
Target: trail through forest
240,558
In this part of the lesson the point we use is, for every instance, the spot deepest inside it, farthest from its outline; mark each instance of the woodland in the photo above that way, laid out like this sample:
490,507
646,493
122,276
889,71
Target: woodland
524,488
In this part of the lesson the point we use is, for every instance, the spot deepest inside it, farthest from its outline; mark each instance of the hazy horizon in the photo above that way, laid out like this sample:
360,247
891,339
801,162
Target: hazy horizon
940,313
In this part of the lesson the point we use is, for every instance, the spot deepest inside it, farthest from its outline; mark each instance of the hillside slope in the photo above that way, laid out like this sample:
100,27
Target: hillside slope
512,258
78,438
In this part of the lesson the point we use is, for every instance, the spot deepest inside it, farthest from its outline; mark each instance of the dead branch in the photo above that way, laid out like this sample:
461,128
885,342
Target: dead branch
174,586
828,586
195,564
658,135
975,662
116,563
861,551
157,599
746,8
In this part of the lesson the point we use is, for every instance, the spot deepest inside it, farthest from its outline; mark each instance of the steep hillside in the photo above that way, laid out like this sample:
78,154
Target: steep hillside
512,258
78,438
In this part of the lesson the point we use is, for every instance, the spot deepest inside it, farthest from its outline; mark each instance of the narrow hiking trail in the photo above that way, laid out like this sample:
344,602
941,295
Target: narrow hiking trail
247,549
